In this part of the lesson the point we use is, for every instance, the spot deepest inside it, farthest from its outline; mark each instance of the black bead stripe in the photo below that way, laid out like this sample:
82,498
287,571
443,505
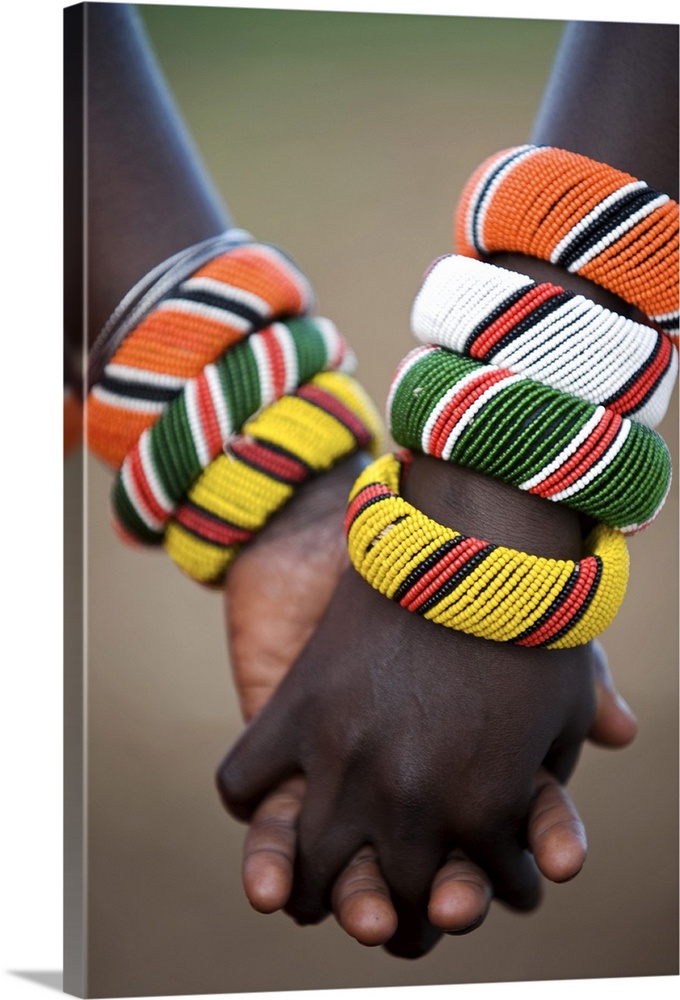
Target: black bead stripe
138,390
454,580
638,376
224,304
422,568
582,610
557,602
607,221
502,165
506,304
536,315
252,463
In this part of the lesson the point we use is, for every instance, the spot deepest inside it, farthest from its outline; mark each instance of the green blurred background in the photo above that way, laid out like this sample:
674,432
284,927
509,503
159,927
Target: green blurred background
345,138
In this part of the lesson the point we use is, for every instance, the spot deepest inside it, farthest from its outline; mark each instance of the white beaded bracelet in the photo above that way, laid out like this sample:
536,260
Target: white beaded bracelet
548,334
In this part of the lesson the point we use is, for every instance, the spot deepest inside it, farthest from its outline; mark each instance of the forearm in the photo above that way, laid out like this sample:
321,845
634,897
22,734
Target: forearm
148,193
612,96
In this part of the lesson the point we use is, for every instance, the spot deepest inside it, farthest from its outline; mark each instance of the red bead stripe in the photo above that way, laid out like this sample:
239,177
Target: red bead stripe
449,564
534,298
648,379
331,404
584,458
143,487
210,529
268,460
587,574
277,361
459,404
206,412
370,492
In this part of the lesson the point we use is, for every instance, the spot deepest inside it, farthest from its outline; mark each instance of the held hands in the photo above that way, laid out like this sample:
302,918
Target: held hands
424,751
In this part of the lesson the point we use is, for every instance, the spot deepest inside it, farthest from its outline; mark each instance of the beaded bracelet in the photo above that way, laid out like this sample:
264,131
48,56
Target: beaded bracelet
150,289
223,301
487,590
548,334
295,438
582,215
530,436
193,428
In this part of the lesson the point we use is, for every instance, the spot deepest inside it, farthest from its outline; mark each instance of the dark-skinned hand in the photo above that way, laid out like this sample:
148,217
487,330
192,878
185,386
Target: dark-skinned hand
292,569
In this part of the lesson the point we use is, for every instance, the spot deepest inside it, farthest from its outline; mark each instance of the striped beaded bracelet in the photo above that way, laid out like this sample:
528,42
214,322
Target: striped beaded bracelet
224,300
297,437
154,286
194,427
548,334
530,436
579,214
487,590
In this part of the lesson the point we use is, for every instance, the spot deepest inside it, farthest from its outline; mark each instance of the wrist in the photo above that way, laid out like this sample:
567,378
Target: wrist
540,270
483,507
322,500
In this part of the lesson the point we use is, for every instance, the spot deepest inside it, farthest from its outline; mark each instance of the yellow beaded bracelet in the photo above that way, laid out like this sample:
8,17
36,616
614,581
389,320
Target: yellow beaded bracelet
288,442
490,591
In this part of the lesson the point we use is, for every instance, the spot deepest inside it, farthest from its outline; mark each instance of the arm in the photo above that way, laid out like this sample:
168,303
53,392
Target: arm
435,484
148,192
131,230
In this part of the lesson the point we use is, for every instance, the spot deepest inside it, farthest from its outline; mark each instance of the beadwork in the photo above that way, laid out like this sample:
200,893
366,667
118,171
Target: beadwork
548,334
585,216
295,438
223,301
530,436
210,409
465,583
154,286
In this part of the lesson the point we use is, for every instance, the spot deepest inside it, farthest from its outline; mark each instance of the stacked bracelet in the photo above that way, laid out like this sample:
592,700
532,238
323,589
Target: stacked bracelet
548,334
579,214
193,428
154,286
474,586
223,301
530,436
295,438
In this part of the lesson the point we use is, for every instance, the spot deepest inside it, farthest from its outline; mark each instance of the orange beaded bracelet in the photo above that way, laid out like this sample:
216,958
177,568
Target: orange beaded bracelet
585,216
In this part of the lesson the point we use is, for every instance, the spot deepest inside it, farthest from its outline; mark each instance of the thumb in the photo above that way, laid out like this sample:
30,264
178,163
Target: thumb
263,756
614,724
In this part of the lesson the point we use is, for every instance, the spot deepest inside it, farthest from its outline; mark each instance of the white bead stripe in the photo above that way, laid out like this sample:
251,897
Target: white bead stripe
259,349
156,487
223,290
219,403
617,233
136,499
566,452
608,457
470,412
501,168
195,423
114,399
442,403
223,316
145,377
593,215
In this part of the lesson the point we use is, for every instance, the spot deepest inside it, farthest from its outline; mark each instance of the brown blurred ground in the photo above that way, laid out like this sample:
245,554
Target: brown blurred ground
345,139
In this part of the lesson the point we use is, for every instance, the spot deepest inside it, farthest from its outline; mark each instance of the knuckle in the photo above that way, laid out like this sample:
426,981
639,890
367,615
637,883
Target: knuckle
233,790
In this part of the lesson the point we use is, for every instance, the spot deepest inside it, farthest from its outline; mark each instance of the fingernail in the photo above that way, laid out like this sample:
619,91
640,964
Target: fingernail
470,927
624,706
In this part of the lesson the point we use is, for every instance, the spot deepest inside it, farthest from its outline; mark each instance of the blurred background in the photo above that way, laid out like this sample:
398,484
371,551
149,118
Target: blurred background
346,139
